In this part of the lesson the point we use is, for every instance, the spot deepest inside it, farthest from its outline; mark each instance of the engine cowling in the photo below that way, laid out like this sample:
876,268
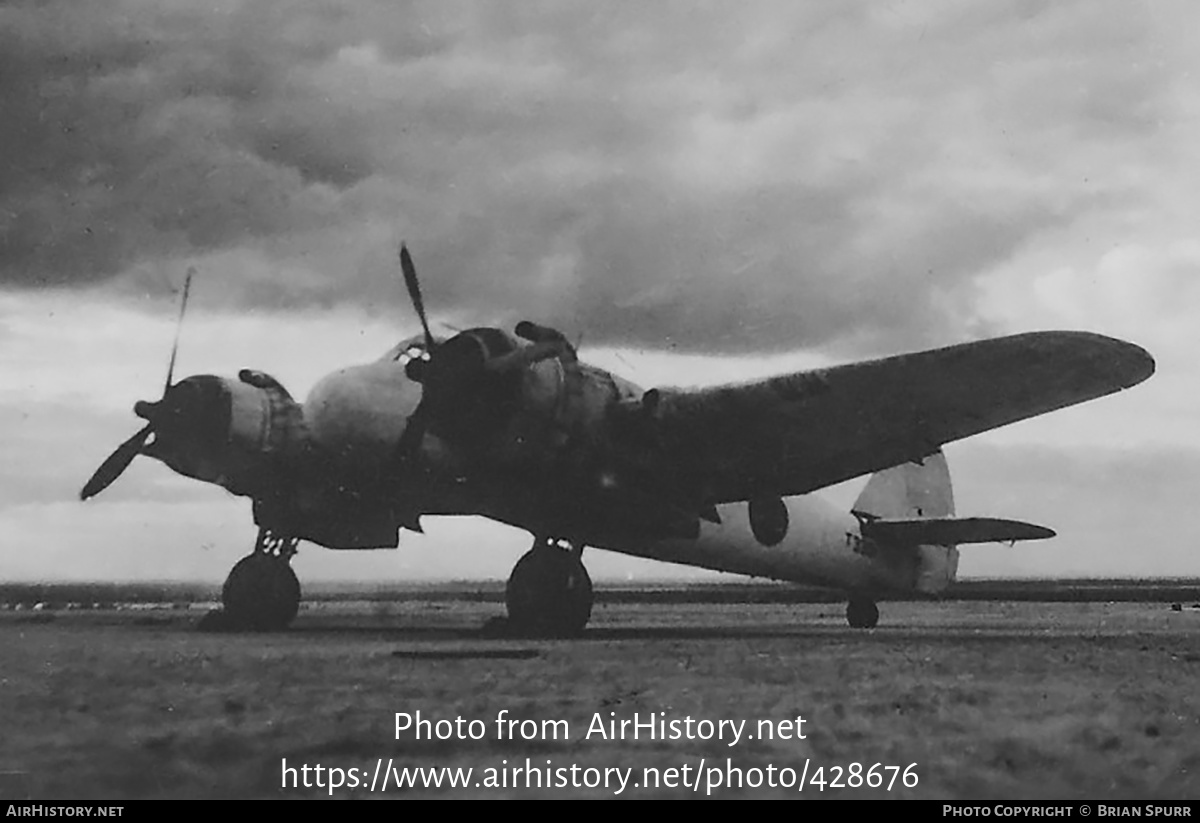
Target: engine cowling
229,432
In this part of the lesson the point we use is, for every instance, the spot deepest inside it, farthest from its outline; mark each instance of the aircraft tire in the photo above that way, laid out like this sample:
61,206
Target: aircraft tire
261,594
549,594
862,613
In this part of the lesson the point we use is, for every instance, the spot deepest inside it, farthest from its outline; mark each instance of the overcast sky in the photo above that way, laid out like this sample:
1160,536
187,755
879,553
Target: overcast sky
700,191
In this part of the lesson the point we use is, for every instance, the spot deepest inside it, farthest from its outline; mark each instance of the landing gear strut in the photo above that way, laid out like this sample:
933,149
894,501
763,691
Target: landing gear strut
261,592
549,593
862,613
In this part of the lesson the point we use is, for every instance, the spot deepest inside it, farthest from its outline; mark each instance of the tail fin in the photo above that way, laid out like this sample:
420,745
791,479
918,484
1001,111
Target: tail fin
909,490
915,490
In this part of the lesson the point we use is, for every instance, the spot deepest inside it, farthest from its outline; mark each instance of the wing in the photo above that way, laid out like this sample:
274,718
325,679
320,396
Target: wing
800,432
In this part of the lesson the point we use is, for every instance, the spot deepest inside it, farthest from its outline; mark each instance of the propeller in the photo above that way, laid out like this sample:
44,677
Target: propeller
117,462
187,286
469,374
414,293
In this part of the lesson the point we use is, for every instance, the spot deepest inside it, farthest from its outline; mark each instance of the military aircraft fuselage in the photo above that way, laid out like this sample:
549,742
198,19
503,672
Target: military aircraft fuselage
521,431
557,458
555,446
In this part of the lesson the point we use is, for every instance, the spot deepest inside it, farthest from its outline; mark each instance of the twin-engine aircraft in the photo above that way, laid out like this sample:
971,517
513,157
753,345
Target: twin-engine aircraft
515,427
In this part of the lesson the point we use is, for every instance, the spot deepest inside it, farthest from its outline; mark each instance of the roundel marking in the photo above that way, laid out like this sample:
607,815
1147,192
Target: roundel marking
768,520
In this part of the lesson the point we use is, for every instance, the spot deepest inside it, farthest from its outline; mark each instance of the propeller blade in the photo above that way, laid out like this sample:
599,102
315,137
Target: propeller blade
414,293
187,284
116,463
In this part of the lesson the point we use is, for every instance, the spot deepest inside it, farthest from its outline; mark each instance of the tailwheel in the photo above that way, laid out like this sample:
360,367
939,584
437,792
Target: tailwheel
549,593
262,592
862,613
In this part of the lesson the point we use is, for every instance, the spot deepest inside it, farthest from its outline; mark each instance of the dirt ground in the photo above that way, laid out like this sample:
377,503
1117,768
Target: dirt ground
964,700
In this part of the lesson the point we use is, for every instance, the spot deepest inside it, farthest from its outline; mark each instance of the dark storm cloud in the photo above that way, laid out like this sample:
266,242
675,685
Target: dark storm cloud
687,175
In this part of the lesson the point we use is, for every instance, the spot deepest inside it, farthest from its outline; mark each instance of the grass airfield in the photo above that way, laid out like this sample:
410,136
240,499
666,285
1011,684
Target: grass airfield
991,699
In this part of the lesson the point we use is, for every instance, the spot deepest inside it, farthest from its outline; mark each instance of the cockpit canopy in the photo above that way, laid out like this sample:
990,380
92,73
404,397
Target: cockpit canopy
410,348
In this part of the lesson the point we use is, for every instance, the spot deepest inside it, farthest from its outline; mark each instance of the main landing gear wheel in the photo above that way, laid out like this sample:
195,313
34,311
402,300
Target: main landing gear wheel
862,613
261,592
549,593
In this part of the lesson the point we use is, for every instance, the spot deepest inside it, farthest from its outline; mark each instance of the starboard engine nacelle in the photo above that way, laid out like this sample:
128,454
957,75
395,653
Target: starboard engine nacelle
513,402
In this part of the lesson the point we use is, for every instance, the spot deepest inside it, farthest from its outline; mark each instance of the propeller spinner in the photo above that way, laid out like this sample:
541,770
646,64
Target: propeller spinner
116,463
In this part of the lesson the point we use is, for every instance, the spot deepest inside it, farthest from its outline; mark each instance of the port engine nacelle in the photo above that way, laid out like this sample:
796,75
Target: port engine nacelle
230,432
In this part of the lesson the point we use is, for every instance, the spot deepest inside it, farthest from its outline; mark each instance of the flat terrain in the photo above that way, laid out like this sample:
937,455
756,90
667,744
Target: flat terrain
990,699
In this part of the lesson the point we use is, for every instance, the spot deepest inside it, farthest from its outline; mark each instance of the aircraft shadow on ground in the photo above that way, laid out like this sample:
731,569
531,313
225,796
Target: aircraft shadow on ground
935,635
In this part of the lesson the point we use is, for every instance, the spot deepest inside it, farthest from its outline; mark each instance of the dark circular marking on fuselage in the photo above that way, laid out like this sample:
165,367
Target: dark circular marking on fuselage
768,520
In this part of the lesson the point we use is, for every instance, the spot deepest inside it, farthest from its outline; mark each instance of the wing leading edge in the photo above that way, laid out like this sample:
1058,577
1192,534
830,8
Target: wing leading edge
800,432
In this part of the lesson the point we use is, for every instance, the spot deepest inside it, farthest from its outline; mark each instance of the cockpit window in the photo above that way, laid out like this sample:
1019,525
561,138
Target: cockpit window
494,342
410,353
408,349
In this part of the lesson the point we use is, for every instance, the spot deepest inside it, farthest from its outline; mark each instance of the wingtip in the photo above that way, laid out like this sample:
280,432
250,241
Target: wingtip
1125,364
1140,363
1128,363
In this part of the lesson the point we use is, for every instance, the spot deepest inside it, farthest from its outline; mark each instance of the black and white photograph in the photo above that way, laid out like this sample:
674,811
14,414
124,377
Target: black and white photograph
600,400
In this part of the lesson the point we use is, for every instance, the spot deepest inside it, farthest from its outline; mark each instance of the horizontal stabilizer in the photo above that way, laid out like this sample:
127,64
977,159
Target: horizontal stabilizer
950,531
